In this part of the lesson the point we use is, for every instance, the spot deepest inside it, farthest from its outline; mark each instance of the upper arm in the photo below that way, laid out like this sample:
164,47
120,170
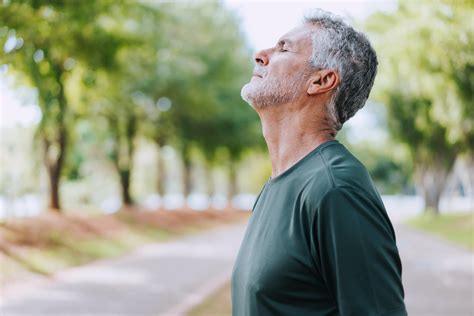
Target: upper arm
357,254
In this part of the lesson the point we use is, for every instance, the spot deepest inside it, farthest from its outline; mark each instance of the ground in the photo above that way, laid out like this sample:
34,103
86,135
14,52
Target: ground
456,227
170,278
165,278
217,304
52,241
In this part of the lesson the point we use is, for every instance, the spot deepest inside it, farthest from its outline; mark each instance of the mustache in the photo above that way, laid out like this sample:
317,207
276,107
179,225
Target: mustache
259,71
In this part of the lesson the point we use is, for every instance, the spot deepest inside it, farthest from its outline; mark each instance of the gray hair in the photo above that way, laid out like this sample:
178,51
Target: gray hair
338,46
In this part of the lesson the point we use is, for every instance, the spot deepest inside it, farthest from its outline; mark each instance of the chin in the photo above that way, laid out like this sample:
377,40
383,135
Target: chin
252,93
246,93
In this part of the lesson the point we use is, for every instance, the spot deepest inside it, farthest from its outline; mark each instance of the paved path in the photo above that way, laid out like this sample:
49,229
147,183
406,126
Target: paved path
438,276
158,279
166,279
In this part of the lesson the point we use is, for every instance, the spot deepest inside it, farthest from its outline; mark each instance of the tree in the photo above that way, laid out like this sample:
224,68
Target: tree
44,42
426,81
122,115
201,73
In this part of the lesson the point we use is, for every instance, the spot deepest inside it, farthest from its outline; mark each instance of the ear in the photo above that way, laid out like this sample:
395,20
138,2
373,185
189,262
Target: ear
323,81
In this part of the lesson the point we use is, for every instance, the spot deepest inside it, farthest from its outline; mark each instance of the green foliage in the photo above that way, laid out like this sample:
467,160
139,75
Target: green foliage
428,44
47,53
426,81
391,173
427,61
109,72
44,42
201,72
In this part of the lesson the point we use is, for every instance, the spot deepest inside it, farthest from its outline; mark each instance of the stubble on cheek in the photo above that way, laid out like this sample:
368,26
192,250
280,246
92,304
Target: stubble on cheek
264,92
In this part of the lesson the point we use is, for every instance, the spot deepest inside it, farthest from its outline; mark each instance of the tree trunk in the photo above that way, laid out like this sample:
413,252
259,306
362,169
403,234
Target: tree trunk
470,176
187,185
161,179
122,155
431,181
125,172
232,186
53,157
210,190
54,145
432,197
54,203
127,166
187,182
125,184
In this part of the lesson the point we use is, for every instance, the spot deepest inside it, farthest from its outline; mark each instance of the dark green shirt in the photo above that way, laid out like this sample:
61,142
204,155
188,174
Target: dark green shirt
319,242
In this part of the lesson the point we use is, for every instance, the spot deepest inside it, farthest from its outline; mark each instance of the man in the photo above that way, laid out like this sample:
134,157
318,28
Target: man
319,241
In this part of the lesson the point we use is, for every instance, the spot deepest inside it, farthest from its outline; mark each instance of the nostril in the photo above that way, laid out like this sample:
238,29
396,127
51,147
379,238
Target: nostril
261,58
259,61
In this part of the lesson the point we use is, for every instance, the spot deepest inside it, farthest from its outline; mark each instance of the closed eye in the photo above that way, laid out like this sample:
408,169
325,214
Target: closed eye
282,44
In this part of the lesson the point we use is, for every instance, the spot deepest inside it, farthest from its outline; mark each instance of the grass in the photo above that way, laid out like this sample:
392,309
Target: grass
51,242
218,304
455,227
69,253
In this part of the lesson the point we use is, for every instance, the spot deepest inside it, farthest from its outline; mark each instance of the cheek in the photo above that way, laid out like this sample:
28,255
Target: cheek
283,67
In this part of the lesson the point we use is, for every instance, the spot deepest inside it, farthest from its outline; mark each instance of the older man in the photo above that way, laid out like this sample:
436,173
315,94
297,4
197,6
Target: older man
319,241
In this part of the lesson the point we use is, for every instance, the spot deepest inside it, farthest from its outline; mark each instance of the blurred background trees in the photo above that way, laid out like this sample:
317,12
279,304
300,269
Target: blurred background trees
46,54
170,73
141,100
426,81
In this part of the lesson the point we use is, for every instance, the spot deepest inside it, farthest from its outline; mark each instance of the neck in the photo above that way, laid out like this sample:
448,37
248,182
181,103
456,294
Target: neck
291,134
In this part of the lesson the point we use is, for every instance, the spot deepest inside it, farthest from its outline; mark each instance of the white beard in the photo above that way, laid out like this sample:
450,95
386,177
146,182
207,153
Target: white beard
264,92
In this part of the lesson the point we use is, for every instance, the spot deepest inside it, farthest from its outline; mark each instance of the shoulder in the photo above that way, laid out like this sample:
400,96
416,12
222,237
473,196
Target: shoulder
344,169
341,176
335,166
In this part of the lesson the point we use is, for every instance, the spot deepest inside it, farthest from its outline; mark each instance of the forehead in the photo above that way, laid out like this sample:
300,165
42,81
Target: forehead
299,36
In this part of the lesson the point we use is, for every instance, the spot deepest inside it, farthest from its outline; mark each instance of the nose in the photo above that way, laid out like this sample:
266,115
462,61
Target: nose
262,58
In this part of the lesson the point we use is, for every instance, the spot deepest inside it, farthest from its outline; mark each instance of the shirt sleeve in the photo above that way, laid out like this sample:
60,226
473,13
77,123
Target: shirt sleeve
358,256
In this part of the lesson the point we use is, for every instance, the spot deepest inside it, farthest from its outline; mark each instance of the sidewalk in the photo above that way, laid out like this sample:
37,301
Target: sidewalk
166,279
438,276
157,279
